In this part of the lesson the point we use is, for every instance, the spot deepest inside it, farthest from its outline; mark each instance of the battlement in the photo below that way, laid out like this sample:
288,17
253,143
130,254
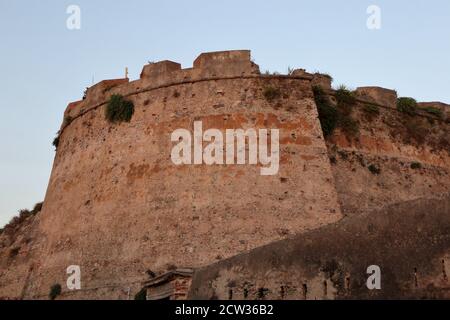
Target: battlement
214,66
382,96
158,69
443,107
226,63
99,90
211,65
209,59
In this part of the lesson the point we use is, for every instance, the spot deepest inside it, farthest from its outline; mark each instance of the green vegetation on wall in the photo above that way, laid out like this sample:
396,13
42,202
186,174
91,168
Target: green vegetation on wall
434,111
141,295
407,105
17,221
336,117
271,93
344,97
416,165
371,111
55,291
55,142
374,169
328,114
119,109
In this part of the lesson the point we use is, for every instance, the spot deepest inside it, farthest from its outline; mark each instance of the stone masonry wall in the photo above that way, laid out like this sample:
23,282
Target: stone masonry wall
117,206
412,154
409,242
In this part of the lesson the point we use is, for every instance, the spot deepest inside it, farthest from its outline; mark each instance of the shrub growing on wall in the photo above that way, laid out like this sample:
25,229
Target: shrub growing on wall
271,93
328,115
16,222
340,116
416,165
416,130
119,109
349,126
141,295
344,97
346,100
434,111
55,291
371,111
374,169
55,142
407,105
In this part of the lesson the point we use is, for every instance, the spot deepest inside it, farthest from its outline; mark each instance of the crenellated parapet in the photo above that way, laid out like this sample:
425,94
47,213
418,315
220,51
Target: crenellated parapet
226,63
215,66
207,66
443,107
160,69
381,96
388,98
94,95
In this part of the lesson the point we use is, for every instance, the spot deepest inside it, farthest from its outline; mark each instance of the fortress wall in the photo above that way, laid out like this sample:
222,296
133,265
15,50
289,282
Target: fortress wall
443,107
389,141
381,96
19,253
117,206
208,66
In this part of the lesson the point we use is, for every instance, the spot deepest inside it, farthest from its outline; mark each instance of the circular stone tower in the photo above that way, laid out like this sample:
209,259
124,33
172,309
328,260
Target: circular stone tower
118,206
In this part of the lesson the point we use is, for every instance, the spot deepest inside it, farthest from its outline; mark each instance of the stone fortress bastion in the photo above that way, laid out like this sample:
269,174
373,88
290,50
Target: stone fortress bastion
117,206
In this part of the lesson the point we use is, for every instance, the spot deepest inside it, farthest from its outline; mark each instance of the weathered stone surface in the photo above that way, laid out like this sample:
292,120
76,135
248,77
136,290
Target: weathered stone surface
117,206
410,242
445,108
387,142
226,63
322,80
158,69
382,96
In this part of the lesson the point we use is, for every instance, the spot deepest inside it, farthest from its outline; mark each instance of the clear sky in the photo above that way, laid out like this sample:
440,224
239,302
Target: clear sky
44,65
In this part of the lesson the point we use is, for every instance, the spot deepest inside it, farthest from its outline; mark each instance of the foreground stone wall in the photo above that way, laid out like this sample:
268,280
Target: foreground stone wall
410,242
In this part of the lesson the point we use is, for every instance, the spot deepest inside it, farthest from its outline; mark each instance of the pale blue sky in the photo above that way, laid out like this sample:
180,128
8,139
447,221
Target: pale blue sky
44,65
